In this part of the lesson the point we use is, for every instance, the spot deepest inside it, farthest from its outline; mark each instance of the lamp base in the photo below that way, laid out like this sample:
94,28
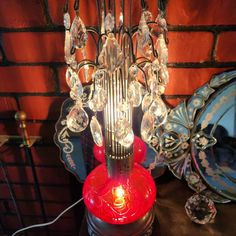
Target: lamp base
141,227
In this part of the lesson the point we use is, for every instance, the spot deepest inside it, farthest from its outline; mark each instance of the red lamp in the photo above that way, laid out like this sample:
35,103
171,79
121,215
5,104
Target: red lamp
119,201
140,150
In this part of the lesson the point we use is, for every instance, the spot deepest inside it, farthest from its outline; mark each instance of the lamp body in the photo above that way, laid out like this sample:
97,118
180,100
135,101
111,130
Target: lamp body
139,150
119,200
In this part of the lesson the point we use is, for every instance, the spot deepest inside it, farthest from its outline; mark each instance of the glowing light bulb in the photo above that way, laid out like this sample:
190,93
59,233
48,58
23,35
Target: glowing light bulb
119,201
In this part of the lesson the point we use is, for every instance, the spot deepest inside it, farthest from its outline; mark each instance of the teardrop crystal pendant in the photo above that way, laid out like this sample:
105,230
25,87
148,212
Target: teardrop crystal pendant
96,131
123,132
99,100
77,119
159,111
135,93
71,77
66,20
109,22
111,56
147,126
69,58
77,90
147,100
78,33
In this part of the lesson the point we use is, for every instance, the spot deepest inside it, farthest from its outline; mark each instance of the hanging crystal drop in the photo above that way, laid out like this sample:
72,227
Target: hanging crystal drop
147,126
111,56
162,49
164,75
99,100
77,119
147,16
71,77
109,22
69,58
66,20
123,132
77,90
147,100
98,77
159,111
78,33
161,22
96,131
133,71
135,93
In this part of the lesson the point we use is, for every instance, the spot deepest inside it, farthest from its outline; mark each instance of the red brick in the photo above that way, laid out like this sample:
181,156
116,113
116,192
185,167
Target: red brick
55,193
24,192
54,209
210,12
62,79
29,208
13,155
8,128
32,79
226,50
172,102
21,14
64,224
41,108
190,46
10,222
184,81
8,106
34,46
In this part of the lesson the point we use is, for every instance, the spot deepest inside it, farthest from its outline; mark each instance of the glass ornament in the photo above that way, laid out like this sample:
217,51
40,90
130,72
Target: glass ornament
77,119
98,77
147,100
200,209
71,77
159,110
78,33
77,90
96,131
133,71
109,22
123,132
69,58
135,93
119,201
99,100
147,126
66,20
164,75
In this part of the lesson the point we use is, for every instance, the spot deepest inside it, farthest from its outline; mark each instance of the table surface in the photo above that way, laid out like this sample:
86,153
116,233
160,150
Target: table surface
172,220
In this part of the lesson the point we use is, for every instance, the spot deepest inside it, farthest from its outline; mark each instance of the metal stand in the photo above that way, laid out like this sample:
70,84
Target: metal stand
141,227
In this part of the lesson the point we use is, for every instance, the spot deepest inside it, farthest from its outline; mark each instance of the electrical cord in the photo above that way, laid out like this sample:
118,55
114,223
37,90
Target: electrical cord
50,222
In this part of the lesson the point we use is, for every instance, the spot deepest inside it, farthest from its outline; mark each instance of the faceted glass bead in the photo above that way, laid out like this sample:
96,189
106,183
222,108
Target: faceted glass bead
159,111
98,77
111,56
78,33
109,22
96,131
123,132
77,119
200,209
71,77
147,126
99,100
147,16
66,20
164,75
147,100
77,91
135,93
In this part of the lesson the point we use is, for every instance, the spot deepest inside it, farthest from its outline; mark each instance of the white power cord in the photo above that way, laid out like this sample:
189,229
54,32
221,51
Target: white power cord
50,222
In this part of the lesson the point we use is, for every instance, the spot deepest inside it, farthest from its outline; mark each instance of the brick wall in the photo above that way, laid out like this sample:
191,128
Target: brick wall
202,36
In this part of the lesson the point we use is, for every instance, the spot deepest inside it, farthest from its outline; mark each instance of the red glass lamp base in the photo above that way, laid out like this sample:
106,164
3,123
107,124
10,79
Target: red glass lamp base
119,201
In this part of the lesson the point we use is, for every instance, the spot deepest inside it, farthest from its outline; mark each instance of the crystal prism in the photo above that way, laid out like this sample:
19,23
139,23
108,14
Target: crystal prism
99,100
77,119
98,77
200,209
109,22
111,56
69,58
135,93
66,20
147,100
96,131
147,126
159,111
164,74
123,132
71,77
133,71
78,33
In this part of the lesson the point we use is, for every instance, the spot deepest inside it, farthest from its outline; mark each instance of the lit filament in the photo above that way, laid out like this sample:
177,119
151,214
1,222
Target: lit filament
119,197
